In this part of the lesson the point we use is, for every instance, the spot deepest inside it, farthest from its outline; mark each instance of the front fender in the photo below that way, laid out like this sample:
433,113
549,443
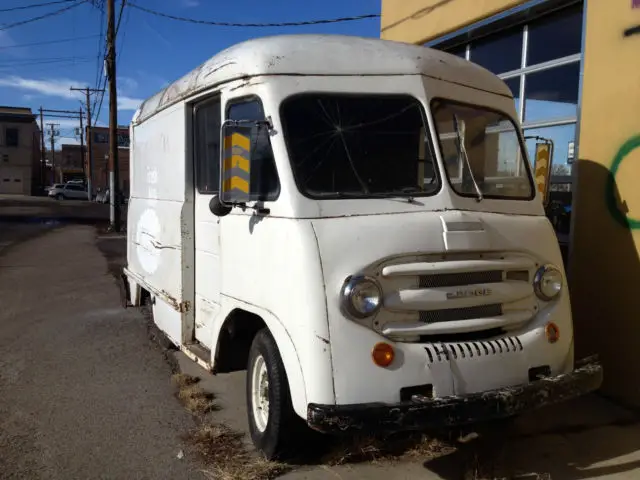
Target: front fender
288,353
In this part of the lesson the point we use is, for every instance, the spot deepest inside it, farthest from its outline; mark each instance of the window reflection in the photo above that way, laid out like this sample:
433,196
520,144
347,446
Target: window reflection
562,136
499,53
555,36
514,86
552,93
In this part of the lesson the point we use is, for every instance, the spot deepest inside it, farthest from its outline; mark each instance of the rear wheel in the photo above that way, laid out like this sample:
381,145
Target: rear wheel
272,422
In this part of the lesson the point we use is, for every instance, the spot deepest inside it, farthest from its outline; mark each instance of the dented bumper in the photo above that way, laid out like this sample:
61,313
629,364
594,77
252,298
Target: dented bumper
456,411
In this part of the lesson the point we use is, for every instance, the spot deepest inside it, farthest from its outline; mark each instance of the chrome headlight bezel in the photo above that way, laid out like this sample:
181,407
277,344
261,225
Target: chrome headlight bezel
538,282
350,288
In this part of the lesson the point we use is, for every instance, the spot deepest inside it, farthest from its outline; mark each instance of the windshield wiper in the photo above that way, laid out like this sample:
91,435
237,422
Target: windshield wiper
462,149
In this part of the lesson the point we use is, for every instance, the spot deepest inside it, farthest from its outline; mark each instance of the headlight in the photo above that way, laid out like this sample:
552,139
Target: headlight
547,282
360,296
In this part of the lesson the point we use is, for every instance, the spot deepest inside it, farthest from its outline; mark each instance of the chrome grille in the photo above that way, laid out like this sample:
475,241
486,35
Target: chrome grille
459,279
466,313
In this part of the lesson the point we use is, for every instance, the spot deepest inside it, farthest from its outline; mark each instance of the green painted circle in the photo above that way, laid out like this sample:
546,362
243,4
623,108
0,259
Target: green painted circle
620,216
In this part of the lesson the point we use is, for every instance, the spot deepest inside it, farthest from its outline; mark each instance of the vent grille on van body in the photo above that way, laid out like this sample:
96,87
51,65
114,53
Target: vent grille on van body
459,279
451,314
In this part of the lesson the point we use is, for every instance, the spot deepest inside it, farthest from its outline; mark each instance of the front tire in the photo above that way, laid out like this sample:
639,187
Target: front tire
272,422
59,197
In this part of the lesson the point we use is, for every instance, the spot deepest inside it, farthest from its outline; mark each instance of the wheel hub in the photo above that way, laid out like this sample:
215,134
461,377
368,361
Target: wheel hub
260,393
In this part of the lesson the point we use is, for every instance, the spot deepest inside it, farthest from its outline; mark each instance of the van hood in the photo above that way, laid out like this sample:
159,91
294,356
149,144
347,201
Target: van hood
349,245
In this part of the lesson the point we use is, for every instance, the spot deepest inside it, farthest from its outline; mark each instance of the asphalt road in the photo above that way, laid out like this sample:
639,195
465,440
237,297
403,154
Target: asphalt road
83,392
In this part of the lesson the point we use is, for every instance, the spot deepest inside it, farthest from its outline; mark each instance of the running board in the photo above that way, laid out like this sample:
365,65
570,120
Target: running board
199,354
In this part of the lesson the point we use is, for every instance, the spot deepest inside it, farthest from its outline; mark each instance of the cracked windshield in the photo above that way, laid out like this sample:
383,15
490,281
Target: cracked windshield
481,152
346,146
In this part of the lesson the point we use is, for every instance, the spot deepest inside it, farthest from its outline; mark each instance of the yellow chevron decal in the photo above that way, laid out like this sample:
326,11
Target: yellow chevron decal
237,140
237,161
236,183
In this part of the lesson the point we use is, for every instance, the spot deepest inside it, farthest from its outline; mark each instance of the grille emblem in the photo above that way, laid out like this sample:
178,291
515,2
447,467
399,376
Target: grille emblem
472,292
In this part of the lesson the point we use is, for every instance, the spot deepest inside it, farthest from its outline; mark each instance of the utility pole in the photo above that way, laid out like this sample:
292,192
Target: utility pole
43,153
114,164
84,170
52,137
88,91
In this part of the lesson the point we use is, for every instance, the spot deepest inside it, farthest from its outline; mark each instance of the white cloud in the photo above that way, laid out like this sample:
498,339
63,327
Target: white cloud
52,87
190,3
128,103
127,84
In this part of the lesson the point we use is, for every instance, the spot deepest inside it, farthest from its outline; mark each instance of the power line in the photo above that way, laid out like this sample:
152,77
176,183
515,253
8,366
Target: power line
41,17
68,64
64,60
42,59
35,5
279,24
62,40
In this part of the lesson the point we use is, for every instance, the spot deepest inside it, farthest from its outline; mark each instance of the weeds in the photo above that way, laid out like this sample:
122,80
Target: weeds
227,458
194,398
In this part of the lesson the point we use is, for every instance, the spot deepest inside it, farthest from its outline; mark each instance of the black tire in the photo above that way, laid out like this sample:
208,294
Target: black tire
283,427
59,196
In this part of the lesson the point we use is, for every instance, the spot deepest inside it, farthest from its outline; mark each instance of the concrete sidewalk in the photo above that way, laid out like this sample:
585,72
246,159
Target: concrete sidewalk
83,392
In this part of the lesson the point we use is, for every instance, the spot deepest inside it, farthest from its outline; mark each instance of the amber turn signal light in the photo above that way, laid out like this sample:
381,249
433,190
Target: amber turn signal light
552,332
382,354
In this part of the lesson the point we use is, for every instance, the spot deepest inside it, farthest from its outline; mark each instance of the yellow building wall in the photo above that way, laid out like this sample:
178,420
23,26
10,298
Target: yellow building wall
417,21
605,261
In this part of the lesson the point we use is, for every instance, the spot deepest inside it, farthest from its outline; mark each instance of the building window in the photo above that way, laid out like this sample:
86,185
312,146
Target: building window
555,36
11,137
207,146
501,52
552,94
539,60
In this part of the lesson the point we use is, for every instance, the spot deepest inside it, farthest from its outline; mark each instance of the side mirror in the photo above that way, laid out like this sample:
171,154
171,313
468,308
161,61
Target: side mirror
218,208
542,169
235,171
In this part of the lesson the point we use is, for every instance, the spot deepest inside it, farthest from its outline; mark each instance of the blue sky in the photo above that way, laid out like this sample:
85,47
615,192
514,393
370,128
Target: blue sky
153,51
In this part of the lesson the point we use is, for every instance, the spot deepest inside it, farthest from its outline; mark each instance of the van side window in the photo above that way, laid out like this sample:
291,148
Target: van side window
265,184
207,146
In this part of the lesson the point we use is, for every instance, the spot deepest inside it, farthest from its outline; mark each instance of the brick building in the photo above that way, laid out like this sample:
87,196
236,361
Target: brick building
100,150
69,163
20,170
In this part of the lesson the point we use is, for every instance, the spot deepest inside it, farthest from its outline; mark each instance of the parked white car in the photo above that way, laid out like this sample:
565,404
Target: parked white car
69,191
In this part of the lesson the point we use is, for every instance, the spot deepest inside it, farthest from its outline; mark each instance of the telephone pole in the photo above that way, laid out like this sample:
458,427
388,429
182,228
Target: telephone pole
43,153
84,170
87,92
52,137
114,164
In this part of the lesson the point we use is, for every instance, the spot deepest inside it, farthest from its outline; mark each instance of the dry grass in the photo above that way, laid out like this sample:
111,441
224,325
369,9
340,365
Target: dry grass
385,449
194,398
227,458
182,380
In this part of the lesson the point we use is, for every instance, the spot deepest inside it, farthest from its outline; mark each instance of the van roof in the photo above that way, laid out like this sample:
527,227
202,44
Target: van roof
307,54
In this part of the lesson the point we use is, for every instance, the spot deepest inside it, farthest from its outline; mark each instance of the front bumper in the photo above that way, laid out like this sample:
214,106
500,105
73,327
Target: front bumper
456,411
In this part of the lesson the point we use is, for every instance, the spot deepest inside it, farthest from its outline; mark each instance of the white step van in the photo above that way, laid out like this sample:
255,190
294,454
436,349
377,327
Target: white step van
354,222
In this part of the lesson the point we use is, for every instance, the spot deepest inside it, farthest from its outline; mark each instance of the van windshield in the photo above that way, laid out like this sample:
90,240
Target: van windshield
482,152
359,146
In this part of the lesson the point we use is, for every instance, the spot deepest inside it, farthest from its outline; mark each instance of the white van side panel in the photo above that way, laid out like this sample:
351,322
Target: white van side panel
156,210
273,265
